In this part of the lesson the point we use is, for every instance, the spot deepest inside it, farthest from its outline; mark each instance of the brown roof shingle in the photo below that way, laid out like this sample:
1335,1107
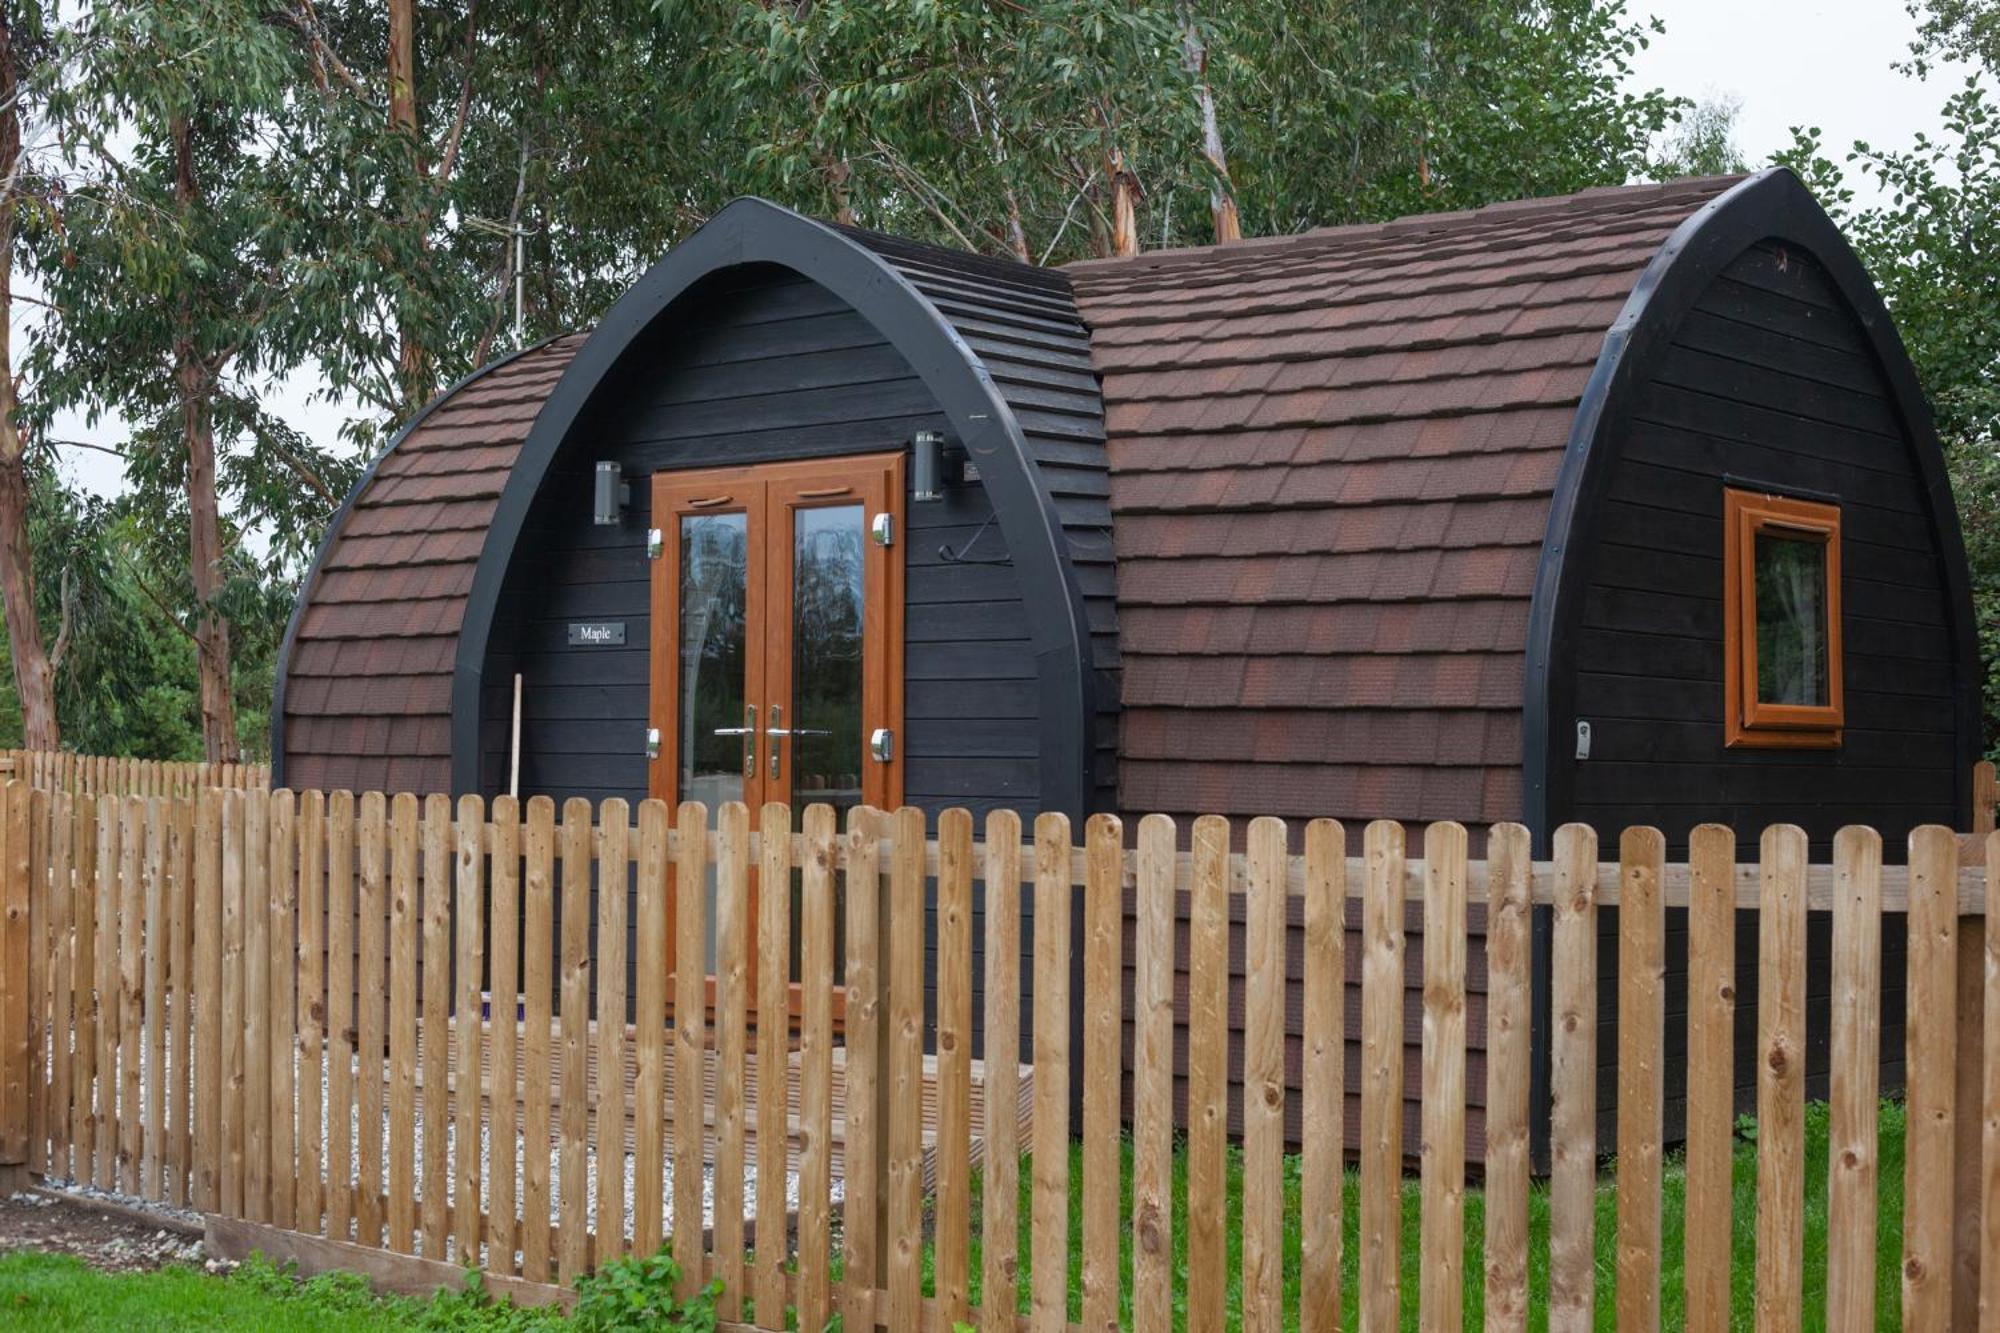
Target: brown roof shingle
368,681
1331,461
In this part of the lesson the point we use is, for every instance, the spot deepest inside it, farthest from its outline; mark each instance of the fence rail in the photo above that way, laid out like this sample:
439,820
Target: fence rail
378,1020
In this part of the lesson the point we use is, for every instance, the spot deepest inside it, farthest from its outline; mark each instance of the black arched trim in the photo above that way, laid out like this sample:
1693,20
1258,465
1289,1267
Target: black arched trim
1772,205
754,231
335,525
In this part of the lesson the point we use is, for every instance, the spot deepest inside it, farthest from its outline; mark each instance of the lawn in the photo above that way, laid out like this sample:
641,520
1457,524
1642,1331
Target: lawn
42,1291
1743,1235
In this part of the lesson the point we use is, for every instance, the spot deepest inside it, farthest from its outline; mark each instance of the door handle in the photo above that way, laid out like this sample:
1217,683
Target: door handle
748,731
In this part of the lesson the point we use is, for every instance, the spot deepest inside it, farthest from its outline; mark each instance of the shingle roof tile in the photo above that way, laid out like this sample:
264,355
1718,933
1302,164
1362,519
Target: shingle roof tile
1332,457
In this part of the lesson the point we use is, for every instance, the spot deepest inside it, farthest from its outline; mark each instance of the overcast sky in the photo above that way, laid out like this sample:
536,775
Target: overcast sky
1790,62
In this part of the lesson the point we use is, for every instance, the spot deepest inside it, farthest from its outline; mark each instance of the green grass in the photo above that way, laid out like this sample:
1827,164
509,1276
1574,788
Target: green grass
58,1291
1743,1235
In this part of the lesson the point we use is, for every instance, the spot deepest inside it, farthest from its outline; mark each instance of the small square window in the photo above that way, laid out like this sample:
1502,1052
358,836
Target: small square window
1781,617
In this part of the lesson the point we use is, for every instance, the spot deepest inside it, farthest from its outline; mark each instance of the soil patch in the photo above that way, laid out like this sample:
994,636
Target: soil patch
109,1241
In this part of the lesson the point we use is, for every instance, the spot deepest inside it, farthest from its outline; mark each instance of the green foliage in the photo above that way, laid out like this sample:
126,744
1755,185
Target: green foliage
1933,246
1703,141
634,1293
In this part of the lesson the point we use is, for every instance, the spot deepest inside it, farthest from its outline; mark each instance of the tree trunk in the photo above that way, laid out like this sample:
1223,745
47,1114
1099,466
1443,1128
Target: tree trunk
34,676
1221,194
211,634
410,361
1124,204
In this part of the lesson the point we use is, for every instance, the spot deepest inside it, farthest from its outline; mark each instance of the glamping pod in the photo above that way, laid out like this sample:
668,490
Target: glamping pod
1621,507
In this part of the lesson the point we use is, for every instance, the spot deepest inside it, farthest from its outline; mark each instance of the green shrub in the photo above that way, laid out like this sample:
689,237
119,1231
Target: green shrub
634,1293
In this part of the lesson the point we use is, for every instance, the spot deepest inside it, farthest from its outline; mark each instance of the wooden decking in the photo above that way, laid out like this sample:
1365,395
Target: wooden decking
1024,1102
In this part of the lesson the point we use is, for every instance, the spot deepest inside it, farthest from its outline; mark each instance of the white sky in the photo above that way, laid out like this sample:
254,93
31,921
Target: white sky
1791,62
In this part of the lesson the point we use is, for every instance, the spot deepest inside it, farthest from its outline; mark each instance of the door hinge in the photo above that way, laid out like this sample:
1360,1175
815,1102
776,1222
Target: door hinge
883,529
656,543
882,745
652,742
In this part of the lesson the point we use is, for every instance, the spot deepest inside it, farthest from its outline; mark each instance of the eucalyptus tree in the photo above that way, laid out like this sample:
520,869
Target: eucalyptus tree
24,69
169,257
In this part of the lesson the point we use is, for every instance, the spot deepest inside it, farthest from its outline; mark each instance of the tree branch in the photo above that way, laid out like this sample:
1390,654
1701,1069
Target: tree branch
457,135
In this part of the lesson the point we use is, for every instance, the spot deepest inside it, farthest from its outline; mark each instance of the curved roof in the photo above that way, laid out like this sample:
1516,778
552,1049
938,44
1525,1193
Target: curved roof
1332,459
364,682
1328,463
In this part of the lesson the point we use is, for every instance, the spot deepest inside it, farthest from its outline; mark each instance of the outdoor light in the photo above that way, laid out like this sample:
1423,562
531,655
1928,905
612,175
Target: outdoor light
610,496
930,467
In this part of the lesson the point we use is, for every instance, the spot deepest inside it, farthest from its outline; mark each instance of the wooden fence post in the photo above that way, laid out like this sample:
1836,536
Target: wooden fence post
14,994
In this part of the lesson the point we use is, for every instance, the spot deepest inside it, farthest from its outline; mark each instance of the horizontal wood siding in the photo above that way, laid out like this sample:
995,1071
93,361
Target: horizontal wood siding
1769,383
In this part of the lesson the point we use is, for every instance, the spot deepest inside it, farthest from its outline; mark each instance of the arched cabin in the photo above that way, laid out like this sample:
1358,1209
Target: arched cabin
1621,507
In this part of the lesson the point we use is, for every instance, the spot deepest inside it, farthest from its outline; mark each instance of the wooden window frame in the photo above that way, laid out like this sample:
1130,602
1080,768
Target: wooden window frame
1750,722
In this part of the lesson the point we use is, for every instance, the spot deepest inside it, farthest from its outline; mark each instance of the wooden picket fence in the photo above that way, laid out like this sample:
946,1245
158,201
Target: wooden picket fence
122,775
303,1013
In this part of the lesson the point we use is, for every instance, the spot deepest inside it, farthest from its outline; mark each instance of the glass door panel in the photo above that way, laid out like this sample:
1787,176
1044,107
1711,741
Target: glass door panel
717,722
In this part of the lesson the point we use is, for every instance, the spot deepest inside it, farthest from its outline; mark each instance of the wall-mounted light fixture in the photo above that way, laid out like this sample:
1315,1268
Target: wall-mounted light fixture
933,467
609,496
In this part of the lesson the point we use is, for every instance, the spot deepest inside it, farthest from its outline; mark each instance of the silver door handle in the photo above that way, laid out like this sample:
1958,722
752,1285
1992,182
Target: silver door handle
748,731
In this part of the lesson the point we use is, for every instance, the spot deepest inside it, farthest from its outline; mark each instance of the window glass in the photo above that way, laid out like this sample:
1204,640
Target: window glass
1791,620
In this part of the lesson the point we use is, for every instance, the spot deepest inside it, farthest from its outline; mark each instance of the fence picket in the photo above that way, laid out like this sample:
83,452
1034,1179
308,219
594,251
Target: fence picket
1207,1060
283,941
503,1088
573,1138
1711,1110
372,999
311,964
405,920
470,856
1855,1080
866,1002
816,980
62,981
83,998
1989,1221
1509,1053
690,1039
1323,1078
1152,1077
1441,1296
433,1045
614,859
1931,1034
229,1140
1264,1076
999,1095
341,1041
16,952
1781,1045
1048,1254
538,954
954,1066
1572,1081
904,1167
649,1018
1642,1027
773,1031
131,975
153,1001
257,1007
180,971
732,956
1104,911
34,1031
1382,1078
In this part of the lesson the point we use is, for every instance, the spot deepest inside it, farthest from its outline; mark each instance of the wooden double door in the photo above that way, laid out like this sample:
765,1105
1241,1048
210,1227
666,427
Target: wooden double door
777,640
